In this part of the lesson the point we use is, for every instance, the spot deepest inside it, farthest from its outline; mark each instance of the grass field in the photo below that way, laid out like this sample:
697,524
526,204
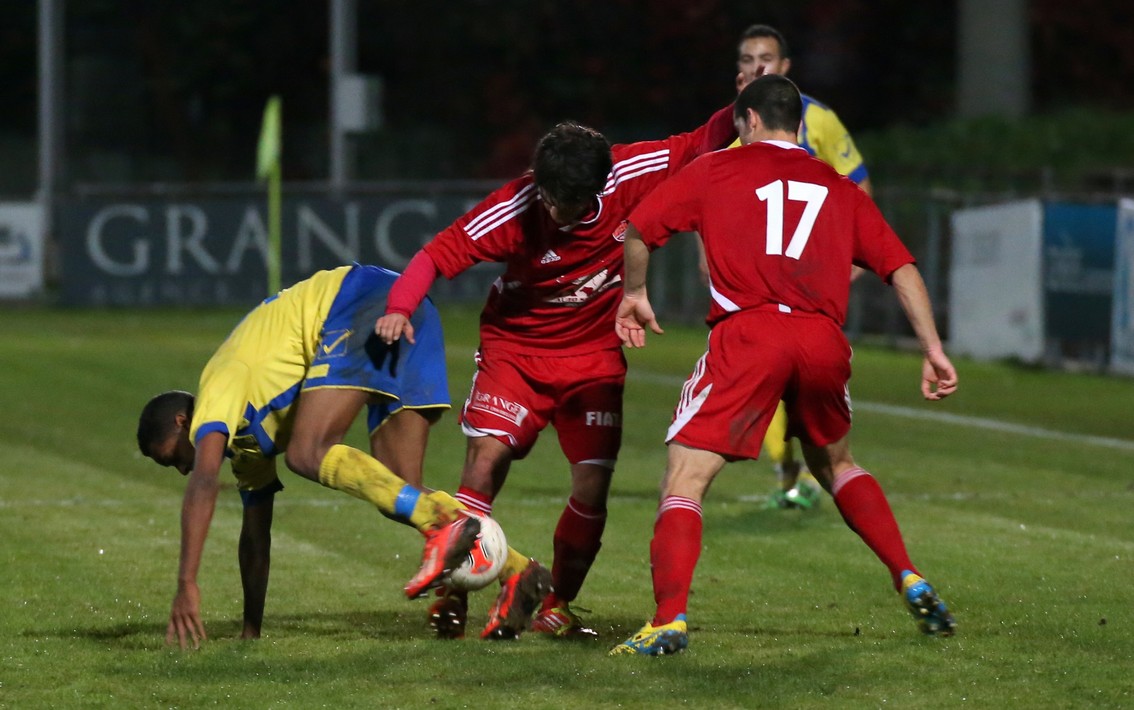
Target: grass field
1018,508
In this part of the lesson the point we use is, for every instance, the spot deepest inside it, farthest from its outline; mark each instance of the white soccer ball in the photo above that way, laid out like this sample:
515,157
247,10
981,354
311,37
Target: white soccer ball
485,559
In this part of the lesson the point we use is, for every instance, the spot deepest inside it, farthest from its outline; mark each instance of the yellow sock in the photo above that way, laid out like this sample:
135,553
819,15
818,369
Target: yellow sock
351,471
774,444
448,506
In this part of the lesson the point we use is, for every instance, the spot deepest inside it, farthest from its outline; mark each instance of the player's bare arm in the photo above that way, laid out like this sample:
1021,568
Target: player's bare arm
200,500
635,311
939,378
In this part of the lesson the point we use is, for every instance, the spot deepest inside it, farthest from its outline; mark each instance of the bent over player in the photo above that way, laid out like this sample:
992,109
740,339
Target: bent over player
548,353
781,230
290,379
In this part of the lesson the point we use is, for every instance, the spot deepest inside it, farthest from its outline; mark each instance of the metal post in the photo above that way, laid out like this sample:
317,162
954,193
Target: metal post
50,52
343,47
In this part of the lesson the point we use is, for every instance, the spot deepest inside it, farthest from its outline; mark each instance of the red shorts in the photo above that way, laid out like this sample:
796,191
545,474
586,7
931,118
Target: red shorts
755,359
514,397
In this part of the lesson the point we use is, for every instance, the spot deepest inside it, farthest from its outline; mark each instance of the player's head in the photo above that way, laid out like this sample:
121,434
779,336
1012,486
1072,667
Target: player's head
570,166
776,101
163,430
762,50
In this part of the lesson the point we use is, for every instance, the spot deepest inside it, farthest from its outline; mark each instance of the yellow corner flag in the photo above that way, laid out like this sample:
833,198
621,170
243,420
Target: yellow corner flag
268,168
268,152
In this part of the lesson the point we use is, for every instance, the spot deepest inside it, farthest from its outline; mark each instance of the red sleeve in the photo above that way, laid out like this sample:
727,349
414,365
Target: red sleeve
720,131
410,288
717,133
876,246
489,232
674,206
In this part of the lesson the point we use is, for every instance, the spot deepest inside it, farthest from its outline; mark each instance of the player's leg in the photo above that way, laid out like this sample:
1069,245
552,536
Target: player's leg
523,581
724,411
864,507
400,442
795,487
322,420
588,421
861,502
502,419
487,461
675,549
576,543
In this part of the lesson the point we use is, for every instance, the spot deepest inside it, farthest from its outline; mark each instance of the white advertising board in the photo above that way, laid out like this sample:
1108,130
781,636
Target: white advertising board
21,249
996,282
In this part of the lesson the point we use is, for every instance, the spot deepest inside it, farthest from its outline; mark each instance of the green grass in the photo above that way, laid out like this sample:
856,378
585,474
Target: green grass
1028,538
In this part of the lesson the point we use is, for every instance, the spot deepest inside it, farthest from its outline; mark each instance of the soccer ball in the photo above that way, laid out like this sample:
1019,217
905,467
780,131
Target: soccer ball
485,559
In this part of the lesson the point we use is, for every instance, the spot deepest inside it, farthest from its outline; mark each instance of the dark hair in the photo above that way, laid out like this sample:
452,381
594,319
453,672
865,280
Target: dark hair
775,99
156,424
571,163
755,31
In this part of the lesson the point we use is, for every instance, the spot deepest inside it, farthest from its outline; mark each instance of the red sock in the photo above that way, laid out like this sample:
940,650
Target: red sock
475,501
863,504
578,537
674,551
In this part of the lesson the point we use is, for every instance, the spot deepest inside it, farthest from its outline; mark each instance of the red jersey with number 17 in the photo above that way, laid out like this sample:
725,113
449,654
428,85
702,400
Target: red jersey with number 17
781,229
561,285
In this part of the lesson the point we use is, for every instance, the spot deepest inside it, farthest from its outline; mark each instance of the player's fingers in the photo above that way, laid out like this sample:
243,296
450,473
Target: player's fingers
181,634
639,336
655,327
630,333
927,390
407,333
198,633
622,333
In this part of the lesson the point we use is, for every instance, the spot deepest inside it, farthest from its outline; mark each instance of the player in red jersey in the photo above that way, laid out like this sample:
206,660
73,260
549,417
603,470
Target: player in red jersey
548,352
781,230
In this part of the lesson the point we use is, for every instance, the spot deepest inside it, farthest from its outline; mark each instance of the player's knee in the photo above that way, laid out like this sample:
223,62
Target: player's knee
305,460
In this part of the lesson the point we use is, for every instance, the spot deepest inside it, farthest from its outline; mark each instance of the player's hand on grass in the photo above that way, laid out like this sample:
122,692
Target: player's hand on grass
185,623
634,314
938,377
392,326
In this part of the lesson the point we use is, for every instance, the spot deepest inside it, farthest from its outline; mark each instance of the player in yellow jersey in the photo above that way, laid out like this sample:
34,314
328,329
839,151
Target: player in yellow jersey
290,379
763,50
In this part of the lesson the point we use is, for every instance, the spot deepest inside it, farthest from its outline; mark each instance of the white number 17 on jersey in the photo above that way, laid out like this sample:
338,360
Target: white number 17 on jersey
773,194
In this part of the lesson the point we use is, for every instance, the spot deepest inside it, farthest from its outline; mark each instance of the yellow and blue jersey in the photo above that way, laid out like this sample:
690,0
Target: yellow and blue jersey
823,135
319,333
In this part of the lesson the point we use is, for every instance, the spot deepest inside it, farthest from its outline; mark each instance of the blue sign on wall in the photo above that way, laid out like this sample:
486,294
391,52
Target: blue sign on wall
1078,247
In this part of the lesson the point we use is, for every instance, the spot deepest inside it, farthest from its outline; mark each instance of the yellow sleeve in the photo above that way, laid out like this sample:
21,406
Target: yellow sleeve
832,142
222,397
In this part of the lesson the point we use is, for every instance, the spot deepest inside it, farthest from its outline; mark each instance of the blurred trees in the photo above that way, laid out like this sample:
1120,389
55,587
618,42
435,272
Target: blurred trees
174,91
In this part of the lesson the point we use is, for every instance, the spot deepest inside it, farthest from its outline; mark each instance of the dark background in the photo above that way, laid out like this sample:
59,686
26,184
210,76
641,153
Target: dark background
159,91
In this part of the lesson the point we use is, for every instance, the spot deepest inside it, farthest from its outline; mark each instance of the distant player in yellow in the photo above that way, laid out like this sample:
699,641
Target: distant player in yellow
763,50
291,378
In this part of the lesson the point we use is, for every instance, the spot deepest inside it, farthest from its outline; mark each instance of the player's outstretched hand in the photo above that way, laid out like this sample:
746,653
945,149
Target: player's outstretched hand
634,314
392,326
185,623
938,377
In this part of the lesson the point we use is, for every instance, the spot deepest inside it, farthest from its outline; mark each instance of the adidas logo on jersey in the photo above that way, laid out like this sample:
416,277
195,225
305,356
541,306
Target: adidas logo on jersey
549,257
